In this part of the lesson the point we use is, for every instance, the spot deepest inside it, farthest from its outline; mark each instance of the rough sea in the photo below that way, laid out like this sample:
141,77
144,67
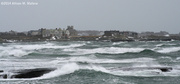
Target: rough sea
90,62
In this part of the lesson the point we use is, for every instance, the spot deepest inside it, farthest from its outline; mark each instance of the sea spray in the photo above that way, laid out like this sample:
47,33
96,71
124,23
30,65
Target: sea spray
81,62
111,50
65,69
169,50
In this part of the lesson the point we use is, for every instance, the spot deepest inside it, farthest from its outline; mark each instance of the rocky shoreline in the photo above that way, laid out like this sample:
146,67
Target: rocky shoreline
86,38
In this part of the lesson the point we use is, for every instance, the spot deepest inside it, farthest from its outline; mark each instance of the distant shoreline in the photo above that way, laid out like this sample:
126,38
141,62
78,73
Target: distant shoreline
86,39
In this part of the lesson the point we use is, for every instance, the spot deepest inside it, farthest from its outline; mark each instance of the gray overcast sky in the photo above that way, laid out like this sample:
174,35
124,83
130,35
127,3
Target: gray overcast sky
130,15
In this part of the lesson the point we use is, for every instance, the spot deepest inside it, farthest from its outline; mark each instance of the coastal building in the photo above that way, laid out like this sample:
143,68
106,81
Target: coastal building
120,33
66,34
34,32
129,34
111,33
146,34
4,33
90,33
57,33
161,33
22,34
72,31
12,32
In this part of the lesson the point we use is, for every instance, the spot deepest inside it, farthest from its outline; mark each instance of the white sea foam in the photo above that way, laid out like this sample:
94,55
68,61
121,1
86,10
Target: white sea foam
25,64
169,50
118,43
107,50
178,58
4,48
159,45
166,58
147,64
169,44
68,68
88,42
134,72
22,50
95,68
97,60
65,69
14,52
42,46
143,72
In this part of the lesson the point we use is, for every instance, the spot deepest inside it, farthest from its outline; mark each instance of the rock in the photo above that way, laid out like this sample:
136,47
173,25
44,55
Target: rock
122,40
163,69
166,69
1,71
31,73
4,76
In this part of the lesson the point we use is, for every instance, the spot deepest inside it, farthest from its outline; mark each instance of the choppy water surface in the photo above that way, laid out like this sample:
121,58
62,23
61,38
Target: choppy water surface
88,62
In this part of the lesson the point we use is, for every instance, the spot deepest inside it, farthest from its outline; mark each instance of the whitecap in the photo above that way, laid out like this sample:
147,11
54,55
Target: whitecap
65,69
14,52
169,50
159,45
97,60
20,50
118,43
45,46
106,50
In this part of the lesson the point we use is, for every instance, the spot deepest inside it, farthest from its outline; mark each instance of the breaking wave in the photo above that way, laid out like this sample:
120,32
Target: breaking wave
118,43
22,50
169,50
107,50
73,68
108,58
65,69
45,46
14,52
116,50
163,44
97,60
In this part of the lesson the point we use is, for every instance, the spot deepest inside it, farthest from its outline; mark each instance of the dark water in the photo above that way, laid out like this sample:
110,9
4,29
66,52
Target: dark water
88,62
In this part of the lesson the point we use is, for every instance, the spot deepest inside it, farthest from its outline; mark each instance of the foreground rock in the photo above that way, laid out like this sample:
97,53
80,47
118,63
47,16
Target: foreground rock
32,73
1,71
163,69
28,73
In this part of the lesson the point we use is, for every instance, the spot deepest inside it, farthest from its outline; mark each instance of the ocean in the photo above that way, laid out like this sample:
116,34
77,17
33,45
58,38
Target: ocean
91,62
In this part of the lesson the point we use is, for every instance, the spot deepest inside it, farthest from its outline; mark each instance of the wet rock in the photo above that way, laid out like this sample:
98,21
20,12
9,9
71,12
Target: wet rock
4,76
167,69
32,73
1,71
163,69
